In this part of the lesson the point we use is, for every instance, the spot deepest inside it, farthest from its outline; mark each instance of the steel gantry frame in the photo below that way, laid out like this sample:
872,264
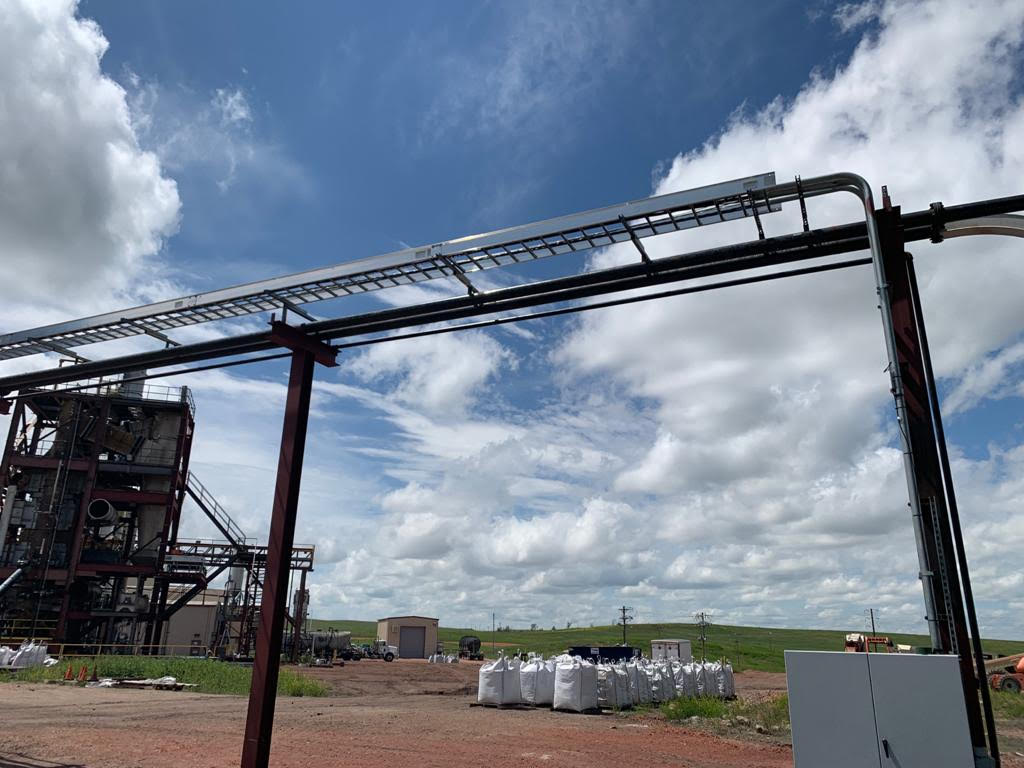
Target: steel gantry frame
942,561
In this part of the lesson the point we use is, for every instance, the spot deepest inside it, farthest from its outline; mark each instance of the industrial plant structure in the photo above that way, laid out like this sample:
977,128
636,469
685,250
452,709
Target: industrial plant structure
94,481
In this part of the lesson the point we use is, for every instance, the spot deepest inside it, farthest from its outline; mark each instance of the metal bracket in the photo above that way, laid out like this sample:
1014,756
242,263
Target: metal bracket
291,338
757,216
636,240
803,204
460,274
938,223
159,336
290,306
59,349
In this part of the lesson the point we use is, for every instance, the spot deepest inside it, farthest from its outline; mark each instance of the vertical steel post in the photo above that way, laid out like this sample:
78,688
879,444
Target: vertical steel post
954,517
940,577
262,696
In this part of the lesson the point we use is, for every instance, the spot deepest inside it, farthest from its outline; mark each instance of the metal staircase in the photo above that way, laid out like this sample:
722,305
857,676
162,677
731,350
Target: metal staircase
217,514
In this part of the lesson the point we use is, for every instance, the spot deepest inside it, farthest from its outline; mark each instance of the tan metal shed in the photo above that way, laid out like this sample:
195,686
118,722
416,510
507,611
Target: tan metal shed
415,636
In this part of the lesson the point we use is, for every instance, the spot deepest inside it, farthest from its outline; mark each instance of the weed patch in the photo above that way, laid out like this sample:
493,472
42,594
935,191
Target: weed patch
209,675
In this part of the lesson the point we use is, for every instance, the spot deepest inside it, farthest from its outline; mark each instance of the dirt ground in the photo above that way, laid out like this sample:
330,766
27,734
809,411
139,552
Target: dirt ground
412,711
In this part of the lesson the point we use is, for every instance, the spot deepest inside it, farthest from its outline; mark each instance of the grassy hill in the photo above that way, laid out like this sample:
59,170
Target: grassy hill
747,647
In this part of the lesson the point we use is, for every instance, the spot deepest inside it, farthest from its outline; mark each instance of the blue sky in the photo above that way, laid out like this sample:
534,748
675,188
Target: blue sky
730,452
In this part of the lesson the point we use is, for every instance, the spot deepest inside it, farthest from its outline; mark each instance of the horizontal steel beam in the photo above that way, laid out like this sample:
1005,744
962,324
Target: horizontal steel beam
575,232
816,243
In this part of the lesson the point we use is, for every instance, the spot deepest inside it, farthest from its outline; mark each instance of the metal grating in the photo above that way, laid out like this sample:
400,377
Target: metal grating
631,221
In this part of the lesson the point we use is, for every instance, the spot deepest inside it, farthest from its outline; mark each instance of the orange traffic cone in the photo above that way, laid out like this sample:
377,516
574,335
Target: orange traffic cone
94,679
83,673
69,674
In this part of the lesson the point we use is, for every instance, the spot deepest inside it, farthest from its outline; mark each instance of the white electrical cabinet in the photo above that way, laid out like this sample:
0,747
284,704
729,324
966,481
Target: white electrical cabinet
854,710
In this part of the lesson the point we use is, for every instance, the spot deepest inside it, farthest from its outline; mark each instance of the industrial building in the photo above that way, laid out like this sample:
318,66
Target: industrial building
415,636
93,485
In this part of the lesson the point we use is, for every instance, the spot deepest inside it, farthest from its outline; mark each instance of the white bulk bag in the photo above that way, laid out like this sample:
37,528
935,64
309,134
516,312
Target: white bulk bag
5,655
612,690
730,681
499,682
633,682
643,685
703,679
717,678
575,686
722,680
28,655
537,681
668,682
622,683
545,683
657,684
686,685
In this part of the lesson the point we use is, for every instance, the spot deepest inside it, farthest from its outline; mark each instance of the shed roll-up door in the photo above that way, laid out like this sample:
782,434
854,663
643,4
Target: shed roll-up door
412,642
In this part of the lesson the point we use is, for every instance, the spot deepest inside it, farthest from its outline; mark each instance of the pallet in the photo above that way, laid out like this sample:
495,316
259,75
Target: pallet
523,707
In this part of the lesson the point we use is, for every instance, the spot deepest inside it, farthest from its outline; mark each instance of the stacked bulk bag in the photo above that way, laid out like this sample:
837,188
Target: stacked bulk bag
639,685
704,684
657,683
622,683
686,682
537,682
644,680
499,683
575,686
612,687
668,681
724,683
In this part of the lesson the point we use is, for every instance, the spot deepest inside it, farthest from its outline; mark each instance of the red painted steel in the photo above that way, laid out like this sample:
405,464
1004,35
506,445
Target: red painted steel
259,722
948,598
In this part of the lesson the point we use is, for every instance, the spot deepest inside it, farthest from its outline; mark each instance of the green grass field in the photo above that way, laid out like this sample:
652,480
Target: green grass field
211,676
746,647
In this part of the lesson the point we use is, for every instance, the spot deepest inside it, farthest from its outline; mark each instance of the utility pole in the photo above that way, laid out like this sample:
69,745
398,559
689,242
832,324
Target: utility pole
626,618
871,613
702,626
492,633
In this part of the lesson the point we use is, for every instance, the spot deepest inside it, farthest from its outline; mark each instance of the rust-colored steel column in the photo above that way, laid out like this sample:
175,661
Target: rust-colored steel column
944,581
259,722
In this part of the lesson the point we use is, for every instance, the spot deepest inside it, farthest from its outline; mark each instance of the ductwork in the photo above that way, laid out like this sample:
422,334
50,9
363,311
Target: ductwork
100,512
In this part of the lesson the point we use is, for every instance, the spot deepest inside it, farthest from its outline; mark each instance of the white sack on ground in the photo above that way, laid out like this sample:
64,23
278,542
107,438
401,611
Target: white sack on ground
704,684
28,655
728,689
612,690
639,685
537,681
575,686
657,688
668,682
686,684
499,683
623,686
